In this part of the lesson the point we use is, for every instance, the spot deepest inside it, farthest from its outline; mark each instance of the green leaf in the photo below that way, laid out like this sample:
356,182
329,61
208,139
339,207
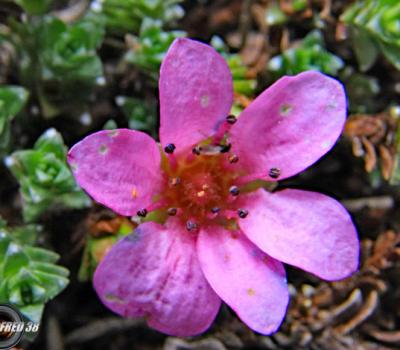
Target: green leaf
361,90
34,7
58,61
29,277
124,16
242,83
46,182
274,15
141,115
375,21
149,48
308,54
12,100
365,48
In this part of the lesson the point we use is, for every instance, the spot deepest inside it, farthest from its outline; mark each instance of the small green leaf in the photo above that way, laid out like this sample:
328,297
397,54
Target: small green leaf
375,21
34,7
45,178
141,115
274,15
365,48
28,275
150,46
124,16
308,54
242,83
12,100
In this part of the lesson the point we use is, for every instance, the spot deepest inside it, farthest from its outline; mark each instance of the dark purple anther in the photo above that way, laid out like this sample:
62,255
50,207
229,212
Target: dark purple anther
274,173
234,190
225,148
170,148
191,226
242,213
231,119
142,213
172,211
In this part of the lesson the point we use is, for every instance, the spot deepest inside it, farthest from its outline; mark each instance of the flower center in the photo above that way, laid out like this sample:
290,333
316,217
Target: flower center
201,186
198,187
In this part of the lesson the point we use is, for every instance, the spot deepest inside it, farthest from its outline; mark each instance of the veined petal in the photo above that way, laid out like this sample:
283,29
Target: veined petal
250,282
306,229
290,125
196,93
155,273
118,168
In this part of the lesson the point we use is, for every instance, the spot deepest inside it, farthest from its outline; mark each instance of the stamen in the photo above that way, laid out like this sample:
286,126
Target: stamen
142,213
274,173
215,210
170,148
223,128
172,211
226,148
196,150
242,213
233,158
201,194
234,191
191,226
208,150
174,181
231,119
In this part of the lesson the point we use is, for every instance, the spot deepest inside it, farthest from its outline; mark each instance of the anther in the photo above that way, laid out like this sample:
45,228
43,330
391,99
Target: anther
172,211
233,158
142,213
196,150
191,226
274,173
225,148
215,210
234,190
231,119
242,213
170,148
174,181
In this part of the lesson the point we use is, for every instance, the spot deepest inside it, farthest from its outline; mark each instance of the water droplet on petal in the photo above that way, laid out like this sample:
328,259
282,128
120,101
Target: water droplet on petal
251,292
285,109
204,101
103,149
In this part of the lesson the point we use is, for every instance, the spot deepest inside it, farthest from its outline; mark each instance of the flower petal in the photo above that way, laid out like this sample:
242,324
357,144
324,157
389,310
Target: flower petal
155,273
196,93
249,281
118,168
306,229
290,125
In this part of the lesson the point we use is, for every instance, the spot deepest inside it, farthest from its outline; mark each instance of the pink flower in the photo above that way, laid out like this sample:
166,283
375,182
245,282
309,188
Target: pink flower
219,240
